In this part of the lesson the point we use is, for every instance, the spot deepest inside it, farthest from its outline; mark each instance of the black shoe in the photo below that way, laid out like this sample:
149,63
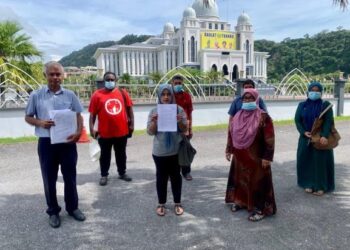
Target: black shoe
125,177
77,215
188,177
103,181
54,221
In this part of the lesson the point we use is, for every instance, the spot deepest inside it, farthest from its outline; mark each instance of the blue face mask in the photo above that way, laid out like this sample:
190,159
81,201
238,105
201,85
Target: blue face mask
178,88
249,105
109,85
314,95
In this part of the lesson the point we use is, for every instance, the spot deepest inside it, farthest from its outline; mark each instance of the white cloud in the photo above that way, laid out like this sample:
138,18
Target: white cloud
60,27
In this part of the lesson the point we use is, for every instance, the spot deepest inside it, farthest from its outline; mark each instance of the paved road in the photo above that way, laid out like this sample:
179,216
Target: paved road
122,215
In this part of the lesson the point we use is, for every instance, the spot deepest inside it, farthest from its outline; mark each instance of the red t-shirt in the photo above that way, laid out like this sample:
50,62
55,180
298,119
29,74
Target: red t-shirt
183,99
110,108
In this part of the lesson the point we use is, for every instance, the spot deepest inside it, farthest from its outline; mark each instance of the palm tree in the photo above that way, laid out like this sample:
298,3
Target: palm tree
14,45
342,3
16,49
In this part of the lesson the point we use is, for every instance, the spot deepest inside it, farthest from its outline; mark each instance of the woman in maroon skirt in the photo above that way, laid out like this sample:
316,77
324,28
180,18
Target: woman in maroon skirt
250,144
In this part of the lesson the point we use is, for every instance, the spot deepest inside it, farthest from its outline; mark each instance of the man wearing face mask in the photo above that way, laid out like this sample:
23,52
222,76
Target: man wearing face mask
113,107
236,105
183,99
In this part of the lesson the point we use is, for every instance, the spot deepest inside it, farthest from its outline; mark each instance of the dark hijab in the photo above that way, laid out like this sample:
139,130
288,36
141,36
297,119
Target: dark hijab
312,108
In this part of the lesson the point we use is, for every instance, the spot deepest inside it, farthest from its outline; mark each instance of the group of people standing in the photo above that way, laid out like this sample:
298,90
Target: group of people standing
250,143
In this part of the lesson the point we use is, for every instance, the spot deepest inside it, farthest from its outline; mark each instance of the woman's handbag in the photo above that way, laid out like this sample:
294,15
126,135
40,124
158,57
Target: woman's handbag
333,138
186,152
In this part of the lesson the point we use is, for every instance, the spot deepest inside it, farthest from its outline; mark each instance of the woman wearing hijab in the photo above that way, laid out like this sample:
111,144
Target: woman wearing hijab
165,152
251,142
315,168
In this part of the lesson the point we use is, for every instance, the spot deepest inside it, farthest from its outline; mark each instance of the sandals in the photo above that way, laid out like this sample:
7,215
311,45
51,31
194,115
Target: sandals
235,207
318,193
160,210
178,209
256,216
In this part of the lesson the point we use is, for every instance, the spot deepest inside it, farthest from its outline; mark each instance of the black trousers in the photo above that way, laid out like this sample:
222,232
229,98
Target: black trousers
168,167
119,146
50,157
185,170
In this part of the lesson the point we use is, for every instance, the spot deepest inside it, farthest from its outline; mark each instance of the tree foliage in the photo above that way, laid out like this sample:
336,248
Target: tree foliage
324,53
15,45
17,49
83,57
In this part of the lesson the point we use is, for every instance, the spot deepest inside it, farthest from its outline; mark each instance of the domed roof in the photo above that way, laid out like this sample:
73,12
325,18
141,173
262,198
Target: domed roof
206,8
169,27
189,12
243,19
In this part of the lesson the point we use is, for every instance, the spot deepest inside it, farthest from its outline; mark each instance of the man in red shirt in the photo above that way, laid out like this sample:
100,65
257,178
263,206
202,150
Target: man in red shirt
183,99
113,109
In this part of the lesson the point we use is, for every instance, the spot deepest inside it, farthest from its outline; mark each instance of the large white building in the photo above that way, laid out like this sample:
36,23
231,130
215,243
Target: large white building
202,41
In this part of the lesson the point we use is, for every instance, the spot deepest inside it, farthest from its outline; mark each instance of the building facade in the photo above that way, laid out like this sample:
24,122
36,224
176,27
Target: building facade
202,41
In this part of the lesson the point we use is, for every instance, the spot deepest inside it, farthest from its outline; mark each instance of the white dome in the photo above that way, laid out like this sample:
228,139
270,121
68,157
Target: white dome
206,8
243,19
169,27
189,12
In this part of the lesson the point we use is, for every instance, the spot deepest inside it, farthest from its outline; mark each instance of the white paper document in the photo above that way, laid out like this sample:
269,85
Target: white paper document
167,117
65,125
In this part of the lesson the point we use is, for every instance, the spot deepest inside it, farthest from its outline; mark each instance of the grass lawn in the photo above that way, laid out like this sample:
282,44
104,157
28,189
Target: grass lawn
8,140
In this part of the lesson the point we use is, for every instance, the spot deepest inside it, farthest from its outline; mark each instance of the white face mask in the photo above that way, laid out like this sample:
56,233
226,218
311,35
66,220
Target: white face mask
249,105
109,84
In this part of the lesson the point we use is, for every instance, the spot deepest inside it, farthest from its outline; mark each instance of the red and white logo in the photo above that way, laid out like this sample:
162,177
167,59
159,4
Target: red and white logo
113,106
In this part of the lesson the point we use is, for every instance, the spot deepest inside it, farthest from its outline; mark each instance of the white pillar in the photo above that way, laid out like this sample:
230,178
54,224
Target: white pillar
107,61
142,63
130,62
123,67
136,53
174,59
103,62
111,62
146,63
151,62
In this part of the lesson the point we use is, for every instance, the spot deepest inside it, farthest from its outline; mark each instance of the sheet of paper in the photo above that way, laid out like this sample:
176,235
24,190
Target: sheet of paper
65,125
167,117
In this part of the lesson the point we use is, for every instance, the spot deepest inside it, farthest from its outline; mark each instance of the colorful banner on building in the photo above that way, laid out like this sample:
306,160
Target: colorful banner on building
218,40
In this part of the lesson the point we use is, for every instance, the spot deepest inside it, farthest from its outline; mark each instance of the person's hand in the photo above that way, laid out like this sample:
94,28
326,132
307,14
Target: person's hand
323,141
73,138
179,117
46,123
228,156
94,133
265,163
154,117
307,134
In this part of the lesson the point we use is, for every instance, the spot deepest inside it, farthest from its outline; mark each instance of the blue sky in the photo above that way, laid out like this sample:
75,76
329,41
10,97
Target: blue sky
59,27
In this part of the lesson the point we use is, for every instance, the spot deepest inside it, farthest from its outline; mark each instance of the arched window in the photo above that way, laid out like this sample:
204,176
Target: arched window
214,68
235,73
225,70
247,48
193,49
